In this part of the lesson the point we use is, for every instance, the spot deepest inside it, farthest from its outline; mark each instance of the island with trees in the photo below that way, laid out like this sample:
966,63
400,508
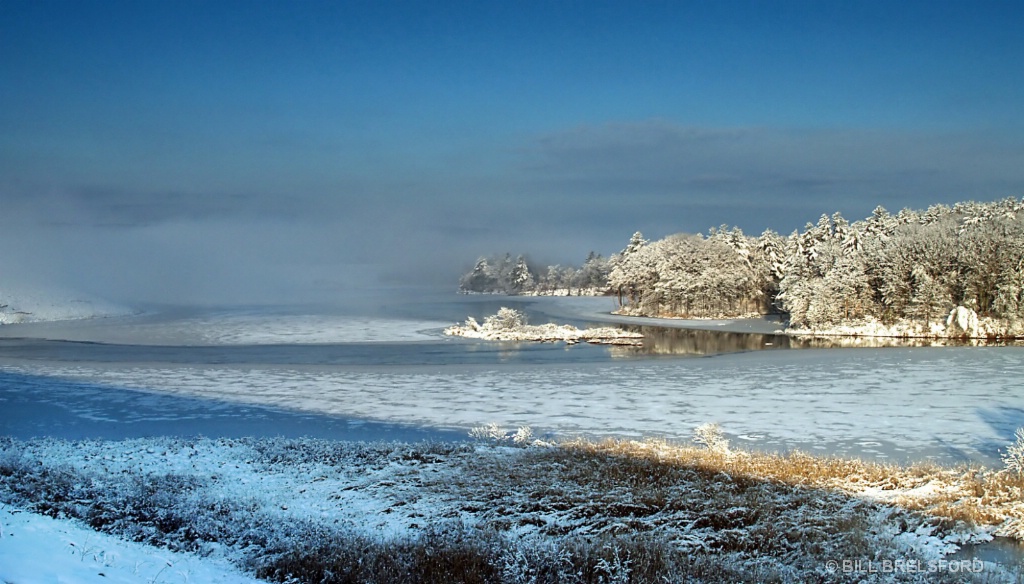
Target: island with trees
510,324
945,272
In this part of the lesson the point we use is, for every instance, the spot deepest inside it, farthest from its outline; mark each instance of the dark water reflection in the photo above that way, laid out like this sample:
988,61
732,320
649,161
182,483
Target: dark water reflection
670,341
697,342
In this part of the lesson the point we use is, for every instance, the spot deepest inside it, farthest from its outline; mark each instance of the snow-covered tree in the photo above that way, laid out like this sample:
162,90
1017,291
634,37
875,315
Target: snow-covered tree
914,267
480,279
520,278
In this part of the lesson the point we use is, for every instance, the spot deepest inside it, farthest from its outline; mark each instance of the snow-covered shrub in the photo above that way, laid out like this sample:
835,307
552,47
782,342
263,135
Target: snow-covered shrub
489,433
492,432
506,319
524,561
614,569
711,437
1013,458
523,436
1012,528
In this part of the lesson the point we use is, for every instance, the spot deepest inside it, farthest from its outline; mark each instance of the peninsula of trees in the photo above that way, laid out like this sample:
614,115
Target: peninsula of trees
505,275
948,271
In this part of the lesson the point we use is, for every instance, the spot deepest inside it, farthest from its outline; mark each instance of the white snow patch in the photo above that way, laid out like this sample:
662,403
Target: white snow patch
35,548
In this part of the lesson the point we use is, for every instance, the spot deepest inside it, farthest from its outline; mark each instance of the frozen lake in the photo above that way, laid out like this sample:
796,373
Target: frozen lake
388,372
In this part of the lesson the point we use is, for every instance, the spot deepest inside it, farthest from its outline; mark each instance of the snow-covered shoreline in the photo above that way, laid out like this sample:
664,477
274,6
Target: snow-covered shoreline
962,324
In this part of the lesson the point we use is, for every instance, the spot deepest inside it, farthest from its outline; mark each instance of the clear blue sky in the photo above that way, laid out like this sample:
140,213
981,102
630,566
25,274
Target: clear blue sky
233,137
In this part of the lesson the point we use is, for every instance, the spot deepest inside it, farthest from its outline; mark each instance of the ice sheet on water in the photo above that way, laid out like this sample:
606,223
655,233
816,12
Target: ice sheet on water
950,403
269,328
235,327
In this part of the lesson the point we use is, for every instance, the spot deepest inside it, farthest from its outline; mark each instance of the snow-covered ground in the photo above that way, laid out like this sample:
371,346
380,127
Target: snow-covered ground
253,502
36,549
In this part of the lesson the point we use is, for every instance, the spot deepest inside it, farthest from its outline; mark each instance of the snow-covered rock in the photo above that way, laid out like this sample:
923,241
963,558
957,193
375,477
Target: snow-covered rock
962,320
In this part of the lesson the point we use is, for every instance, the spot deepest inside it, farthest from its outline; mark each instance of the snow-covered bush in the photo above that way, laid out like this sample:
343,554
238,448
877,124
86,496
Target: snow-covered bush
507,319
523,436
711,437
614,569
488,433
1013,458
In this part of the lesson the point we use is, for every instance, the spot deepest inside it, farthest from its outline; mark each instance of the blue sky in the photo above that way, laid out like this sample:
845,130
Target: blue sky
239,141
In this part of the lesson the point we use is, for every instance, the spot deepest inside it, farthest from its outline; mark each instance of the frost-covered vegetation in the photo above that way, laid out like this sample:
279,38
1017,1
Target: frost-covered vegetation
503,275
612,511
725,274
943,272
510,324
946,271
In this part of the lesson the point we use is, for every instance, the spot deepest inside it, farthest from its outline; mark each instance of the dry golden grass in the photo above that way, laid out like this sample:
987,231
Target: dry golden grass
981,497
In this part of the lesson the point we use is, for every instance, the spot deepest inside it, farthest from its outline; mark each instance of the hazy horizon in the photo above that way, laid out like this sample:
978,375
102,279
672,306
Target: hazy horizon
260,151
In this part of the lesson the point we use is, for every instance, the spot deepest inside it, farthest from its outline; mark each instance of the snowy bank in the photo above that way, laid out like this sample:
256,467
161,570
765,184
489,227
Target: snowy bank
510,325
961,323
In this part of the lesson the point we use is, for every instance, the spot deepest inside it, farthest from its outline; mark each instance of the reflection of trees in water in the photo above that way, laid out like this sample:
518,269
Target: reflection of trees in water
678,341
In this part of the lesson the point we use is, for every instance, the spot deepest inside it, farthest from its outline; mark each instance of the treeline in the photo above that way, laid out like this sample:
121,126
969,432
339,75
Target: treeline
911,267
908,270
505,275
